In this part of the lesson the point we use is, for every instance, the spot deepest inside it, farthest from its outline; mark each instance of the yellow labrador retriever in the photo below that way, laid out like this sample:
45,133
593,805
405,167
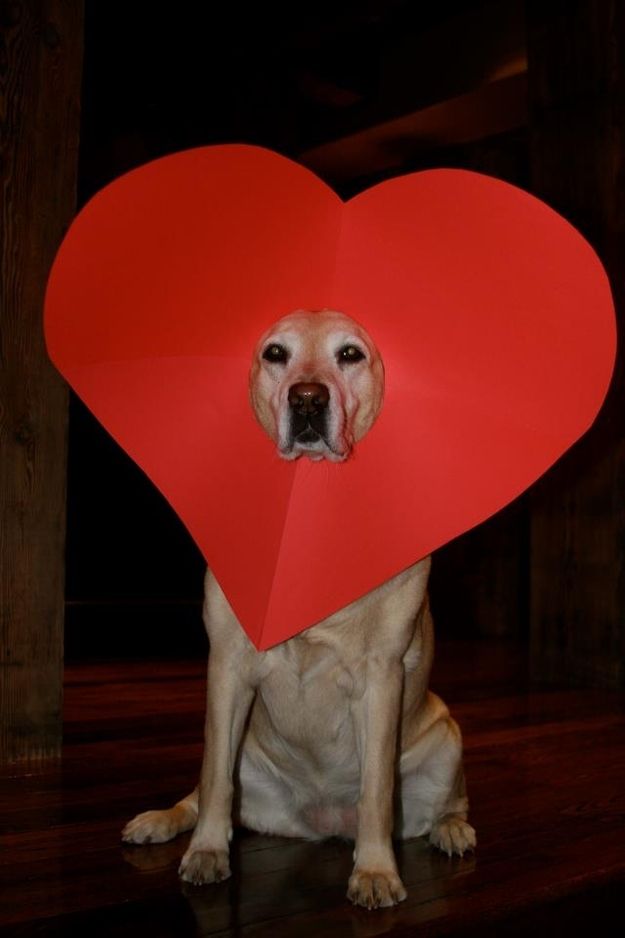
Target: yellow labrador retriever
343,736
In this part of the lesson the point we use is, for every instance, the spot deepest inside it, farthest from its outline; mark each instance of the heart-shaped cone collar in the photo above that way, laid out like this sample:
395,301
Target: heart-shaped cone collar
492,314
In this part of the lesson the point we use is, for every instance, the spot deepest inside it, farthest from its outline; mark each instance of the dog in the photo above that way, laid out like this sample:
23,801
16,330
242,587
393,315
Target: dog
333,732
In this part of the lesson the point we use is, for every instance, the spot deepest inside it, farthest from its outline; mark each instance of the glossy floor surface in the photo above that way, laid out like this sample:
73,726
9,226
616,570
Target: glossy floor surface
546,777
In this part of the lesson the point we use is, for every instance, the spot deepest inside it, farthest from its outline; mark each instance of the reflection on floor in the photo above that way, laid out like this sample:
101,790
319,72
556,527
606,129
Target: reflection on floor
546,776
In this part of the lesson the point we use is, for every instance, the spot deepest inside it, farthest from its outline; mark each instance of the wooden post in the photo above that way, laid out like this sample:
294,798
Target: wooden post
576,73
41,54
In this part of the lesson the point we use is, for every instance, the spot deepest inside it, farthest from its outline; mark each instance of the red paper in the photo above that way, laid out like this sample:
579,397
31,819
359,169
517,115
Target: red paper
492,314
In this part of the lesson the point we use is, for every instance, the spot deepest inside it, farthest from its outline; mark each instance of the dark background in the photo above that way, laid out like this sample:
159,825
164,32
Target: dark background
358,91
532,92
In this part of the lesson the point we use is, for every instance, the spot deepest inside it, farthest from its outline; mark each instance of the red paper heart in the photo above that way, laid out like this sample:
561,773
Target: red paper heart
492,314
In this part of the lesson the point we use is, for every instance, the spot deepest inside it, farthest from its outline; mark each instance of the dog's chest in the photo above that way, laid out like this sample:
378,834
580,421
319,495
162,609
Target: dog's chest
307,691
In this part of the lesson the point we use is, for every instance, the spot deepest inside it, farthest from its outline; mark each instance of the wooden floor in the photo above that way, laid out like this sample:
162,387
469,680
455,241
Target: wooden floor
546,776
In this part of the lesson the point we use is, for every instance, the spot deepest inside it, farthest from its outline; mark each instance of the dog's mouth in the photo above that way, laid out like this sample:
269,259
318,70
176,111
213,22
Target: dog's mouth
308,435
308,428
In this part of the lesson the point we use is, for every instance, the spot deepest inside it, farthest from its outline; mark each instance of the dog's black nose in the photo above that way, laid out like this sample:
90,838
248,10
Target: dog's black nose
308,398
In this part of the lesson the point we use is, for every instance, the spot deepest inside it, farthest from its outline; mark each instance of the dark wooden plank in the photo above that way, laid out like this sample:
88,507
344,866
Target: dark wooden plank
576,71
422,65
545,769
41,52
488,568
490,109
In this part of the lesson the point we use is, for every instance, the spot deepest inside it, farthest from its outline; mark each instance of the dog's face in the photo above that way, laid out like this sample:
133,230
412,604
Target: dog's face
316,384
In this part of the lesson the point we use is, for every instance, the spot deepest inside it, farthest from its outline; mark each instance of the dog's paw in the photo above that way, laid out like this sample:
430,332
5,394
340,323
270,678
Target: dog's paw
204,866
452,835
375,889
152,827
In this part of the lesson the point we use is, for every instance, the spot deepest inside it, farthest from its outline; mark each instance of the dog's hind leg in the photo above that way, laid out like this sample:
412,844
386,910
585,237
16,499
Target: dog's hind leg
451,832
433,792
157,827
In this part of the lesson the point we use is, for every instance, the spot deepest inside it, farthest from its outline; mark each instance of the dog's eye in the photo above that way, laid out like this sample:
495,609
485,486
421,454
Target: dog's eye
350,354
275,353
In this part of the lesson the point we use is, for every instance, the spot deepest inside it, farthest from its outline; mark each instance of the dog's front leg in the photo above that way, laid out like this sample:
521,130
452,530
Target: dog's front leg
375,881
229,695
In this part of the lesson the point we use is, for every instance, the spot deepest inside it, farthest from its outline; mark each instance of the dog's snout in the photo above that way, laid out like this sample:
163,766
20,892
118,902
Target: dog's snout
308,398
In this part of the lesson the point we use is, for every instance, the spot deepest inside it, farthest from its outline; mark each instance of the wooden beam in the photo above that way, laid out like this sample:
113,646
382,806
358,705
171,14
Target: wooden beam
416,71
492,109
576,74
40,86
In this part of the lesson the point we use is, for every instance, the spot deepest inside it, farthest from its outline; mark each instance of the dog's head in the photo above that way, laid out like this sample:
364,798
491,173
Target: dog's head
316,384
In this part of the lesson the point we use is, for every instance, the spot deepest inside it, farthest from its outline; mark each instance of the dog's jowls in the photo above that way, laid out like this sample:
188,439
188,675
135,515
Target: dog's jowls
343,737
